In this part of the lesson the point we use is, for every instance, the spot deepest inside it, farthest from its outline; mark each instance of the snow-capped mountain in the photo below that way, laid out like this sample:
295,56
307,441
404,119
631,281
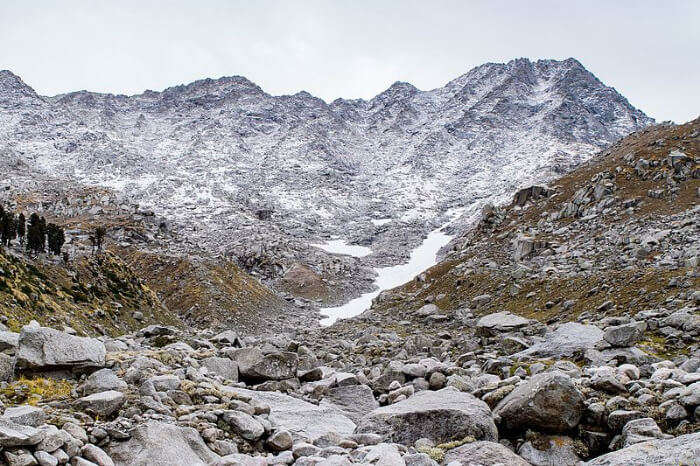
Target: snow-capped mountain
217,152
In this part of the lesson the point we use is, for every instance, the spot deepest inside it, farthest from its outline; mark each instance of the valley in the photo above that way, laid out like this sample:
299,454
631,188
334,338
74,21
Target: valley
502,270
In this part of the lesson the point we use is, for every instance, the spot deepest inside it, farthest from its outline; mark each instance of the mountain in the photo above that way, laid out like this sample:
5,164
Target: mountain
257,177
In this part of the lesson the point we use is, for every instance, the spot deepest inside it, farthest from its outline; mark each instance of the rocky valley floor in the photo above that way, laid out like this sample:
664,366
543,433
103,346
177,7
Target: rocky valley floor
562,329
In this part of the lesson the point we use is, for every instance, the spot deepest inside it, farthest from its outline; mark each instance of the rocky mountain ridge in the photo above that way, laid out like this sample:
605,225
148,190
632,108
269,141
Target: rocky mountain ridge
257,177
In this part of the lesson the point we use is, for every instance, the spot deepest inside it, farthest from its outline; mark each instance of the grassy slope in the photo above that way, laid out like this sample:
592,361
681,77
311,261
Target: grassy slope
94,291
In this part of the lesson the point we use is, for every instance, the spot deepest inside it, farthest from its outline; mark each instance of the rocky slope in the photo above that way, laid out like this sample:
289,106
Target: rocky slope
257,177
563,330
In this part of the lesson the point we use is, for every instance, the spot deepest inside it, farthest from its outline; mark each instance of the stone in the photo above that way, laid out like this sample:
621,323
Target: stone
384,454
8,340
244,425
154,443
565,341
483,453
96,455
558,451
353,400
625,335
618,418
101,381
20,457
255,366
280,440
501,322
442,416
238,459
302,419
25,415
7,368
223,367
641,430
45,458
43,348
165,382
102,404
548,401
14,435
684,449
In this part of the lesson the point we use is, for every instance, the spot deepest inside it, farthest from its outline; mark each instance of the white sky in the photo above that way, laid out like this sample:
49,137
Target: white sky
647,50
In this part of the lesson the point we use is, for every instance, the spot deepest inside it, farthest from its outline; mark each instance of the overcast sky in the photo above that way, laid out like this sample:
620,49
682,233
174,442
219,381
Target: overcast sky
647,50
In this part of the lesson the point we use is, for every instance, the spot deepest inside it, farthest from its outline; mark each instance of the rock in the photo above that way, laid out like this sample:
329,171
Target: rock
419,459
96,455
14,435
548,401
45,458
8,340
300,418
565,341
25,415
280,440
102,404
7,368
353,400
384,454
223,367
253,365
20,457
483,453
558,451
43,348
228,338
244,425
684,449
625,335
640,430
442,416
618,418
238,459
165,382
156,443
101,381
501,322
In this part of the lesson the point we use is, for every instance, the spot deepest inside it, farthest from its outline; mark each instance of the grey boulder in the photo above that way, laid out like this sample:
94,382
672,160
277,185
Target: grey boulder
103,403
441,416
684,449
353,400
101,381
253,365
483,453
156,443
43,348
565,341
548,401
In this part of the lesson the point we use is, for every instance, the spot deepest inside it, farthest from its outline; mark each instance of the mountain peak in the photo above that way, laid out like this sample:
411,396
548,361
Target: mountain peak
12,88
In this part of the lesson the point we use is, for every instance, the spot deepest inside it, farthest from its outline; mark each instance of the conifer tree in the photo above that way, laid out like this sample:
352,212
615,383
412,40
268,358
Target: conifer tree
21,227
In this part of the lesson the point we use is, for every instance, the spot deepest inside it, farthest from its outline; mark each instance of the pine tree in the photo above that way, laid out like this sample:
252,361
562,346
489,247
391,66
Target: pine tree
9,228
56,238
36,234
21,227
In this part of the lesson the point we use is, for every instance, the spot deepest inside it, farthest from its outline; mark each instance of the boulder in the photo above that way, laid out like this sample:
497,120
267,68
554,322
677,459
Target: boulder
8,340
625,335
14,435
353,400
255,366
43,348
565,341
441,416
103,403
483,453
550,451
154,443
223,367
25,415
300,418
101,381
7,367
684,449
501,322
548,402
